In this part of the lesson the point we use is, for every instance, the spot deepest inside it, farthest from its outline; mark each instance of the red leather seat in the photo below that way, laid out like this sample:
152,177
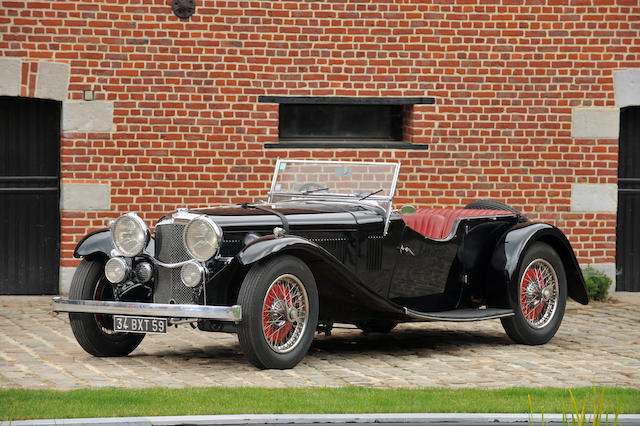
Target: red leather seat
438,223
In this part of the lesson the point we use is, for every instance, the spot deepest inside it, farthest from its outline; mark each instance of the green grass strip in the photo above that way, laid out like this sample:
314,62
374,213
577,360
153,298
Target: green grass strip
16,404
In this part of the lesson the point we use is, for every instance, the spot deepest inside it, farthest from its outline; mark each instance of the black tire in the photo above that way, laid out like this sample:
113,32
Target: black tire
266,276
521,329
494,205
377,326
94,332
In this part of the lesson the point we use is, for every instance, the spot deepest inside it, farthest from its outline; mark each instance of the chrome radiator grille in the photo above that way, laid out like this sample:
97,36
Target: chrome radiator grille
170,249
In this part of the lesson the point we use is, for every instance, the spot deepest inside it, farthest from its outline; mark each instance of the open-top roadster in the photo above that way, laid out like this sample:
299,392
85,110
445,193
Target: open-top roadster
327,247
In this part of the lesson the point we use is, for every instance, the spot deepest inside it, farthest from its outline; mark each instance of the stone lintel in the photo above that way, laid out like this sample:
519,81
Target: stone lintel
85,196
627,87
52,81
93,116
597,198
10,76
595,123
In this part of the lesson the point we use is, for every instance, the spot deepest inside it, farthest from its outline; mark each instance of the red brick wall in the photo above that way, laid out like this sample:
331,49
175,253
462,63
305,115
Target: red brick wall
189,129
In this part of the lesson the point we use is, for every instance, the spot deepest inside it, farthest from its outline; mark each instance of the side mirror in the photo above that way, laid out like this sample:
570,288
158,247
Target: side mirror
408,211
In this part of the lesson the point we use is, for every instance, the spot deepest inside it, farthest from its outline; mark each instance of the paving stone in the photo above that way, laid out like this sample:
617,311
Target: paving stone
597,343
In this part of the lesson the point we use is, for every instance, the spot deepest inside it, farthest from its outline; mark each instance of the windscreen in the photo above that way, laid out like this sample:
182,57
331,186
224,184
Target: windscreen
374,181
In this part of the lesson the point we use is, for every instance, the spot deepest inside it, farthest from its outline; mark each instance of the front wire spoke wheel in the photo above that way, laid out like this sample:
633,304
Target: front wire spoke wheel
104,292
94,332
285,311
280,307
539,293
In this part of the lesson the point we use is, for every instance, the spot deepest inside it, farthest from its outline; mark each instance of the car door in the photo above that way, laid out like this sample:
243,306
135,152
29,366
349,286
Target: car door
428,276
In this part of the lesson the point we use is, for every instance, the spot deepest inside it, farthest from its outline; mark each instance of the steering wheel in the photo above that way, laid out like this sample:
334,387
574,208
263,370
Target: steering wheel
310,186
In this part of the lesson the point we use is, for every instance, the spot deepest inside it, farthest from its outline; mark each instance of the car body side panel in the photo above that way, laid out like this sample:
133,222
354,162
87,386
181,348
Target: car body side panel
474,255
428,277
378,253
343,295
449,273
506,257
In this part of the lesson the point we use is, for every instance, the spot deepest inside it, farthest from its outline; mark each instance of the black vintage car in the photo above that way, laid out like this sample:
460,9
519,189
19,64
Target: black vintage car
327,247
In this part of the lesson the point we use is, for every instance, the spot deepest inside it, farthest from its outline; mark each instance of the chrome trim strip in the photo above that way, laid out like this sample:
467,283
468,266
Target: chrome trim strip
223,313
273,180
181,264
375,163
332,194
392,193
169,265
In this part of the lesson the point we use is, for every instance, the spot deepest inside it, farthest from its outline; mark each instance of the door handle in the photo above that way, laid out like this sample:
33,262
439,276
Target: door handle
406,250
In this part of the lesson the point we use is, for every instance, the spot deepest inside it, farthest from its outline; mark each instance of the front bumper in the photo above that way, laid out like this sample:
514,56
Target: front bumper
221,313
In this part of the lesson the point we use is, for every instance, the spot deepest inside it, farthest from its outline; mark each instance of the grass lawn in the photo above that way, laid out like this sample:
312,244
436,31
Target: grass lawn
16,404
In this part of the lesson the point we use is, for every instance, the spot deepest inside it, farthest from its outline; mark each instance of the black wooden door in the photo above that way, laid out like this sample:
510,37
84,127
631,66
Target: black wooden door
29,195
628,226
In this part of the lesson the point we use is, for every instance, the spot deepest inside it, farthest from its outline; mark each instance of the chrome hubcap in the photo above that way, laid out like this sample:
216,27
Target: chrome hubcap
292,315
284,313
539,293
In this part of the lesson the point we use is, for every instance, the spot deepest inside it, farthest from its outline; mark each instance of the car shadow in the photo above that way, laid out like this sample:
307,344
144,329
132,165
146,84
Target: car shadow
352,342
407,340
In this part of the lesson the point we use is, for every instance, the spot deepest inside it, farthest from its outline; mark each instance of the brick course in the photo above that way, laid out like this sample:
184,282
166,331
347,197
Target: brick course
188,128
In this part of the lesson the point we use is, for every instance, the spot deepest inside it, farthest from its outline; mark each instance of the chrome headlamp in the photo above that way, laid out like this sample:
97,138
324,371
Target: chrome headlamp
202,238
130,234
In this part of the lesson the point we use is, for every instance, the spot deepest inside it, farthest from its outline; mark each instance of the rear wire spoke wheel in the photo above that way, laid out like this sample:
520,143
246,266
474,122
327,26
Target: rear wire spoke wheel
279,302
94,332
538,297
539,293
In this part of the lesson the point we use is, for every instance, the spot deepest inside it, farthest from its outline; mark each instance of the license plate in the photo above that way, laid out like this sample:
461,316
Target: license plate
139,324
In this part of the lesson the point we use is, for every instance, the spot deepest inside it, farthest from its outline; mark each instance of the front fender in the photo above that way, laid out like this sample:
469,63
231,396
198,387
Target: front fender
266,246
515,242
343,296
99,243
94,244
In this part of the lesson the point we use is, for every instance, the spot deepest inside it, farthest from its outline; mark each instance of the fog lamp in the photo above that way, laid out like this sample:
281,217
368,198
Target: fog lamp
116,270
192,274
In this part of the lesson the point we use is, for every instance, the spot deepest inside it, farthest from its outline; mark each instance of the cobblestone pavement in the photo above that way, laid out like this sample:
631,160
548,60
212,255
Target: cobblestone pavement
599,343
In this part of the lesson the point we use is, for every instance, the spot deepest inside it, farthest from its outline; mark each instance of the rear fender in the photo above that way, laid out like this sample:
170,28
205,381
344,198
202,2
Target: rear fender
509,251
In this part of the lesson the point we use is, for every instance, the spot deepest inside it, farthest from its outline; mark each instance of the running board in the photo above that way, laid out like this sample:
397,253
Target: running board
460,315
